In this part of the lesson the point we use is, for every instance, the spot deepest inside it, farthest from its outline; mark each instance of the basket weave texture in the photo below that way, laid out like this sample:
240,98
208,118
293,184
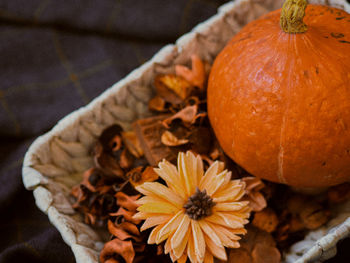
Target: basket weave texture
56,160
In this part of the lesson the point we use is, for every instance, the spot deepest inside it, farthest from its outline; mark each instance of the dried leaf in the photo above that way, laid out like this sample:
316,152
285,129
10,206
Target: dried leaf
132,143
256,200
339,193
173,89
200,139
127,215
125,160
137,176
263,253
265,220
196,76
107,163
149,131
109,137
169,139
157,104
128,202
187,115
118,247
239,255
313,215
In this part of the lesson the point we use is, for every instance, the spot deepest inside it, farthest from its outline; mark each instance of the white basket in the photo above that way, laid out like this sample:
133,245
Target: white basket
56,160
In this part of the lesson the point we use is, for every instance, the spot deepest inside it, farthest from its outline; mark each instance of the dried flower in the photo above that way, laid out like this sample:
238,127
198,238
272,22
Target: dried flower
256,199
196,76
197,214
132,143
257,246
169,139
173,89
139,176
265,220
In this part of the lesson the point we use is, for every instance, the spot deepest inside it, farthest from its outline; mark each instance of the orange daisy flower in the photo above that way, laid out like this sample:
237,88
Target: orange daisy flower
197,214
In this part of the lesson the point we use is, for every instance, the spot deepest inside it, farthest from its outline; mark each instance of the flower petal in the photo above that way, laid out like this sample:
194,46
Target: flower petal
232,206
190,248
198,240
178,251
167,246
232,192
169,227
209,175
182,259
215,183
158,207
185,173
208,257
168,172
209,231
180,233
217,251
159,190
230,233
224,220
152,236
155,220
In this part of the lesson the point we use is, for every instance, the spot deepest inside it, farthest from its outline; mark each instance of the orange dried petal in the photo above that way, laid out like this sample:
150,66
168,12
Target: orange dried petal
172,88
263,253
196,76
157,104
115,143
128,202
137,176
187,115
128,215
117,231
116,246
132,143
169,139
266,220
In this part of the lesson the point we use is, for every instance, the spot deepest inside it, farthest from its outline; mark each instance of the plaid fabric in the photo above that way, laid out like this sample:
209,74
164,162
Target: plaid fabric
55,56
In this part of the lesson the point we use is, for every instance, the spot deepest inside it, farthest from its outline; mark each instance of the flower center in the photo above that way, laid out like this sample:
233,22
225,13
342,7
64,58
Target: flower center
199,205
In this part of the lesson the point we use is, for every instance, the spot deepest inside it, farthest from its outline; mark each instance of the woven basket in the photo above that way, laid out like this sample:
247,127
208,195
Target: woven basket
55,161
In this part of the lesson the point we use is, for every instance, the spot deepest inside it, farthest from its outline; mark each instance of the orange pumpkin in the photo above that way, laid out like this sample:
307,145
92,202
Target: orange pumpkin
279,96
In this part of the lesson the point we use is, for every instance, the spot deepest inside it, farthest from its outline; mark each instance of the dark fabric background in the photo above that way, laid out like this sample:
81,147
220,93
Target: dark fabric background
55,56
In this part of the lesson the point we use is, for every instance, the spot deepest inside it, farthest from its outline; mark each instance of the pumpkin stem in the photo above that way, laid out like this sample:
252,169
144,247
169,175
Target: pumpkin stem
293,12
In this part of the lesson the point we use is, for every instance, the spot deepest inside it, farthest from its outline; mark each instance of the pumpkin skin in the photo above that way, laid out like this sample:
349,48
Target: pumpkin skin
279,103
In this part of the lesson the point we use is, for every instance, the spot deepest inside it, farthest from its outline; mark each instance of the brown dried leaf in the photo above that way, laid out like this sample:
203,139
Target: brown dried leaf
126,160
149,131
187,115
137,176
339,193
117,247
263,253
127,215
107,163
173,89
109,137
157,104
116,143
256,200
128,202
265,220
196,76
132,143
313,215
200,139
117,231
239,255
169,139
